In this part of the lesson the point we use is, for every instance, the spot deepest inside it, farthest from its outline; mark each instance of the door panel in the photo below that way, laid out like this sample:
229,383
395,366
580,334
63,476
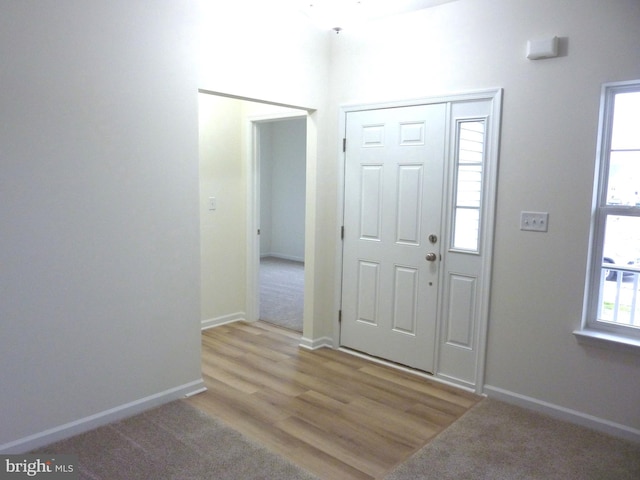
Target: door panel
394,177
367,292
405,300
461,312
371,202
409,202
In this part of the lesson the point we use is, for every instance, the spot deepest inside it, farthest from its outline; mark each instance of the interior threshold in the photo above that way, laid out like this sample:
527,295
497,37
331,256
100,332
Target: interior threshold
404,368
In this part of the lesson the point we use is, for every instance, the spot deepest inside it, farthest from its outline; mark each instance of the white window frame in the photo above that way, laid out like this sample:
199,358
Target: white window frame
592,330
457,164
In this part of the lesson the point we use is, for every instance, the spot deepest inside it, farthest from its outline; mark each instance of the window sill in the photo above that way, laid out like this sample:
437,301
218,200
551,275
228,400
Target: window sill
608,340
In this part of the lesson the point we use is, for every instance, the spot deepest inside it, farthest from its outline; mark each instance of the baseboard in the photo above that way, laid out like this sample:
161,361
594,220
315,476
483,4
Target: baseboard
224,319
85,424
562,413
314,344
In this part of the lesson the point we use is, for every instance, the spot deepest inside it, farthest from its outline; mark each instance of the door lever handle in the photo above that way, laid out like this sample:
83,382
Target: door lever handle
431,257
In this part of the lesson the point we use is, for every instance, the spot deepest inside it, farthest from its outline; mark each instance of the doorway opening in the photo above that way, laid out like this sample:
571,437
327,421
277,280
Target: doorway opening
230,193
280,148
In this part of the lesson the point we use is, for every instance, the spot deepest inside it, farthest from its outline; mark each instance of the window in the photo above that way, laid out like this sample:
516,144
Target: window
468,185
613,293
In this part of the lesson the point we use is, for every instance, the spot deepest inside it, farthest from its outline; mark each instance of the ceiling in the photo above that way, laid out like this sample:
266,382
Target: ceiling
331,13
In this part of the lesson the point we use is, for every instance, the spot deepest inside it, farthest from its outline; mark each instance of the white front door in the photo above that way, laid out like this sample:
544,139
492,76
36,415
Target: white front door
394,178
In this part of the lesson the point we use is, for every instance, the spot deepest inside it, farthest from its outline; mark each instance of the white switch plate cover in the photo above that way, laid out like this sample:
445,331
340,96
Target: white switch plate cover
212,203
534,221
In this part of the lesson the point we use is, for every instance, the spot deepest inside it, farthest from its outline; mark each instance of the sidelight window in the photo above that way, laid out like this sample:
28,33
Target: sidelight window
468,184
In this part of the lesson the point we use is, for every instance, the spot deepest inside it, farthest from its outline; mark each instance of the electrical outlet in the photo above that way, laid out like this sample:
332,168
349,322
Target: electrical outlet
534,221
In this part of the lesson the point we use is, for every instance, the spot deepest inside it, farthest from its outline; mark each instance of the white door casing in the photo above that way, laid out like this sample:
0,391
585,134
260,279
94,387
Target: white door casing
456,351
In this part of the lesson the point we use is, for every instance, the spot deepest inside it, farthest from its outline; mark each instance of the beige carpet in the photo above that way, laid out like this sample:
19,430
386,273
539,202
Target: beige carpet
282,292
498,441
175,441
493,441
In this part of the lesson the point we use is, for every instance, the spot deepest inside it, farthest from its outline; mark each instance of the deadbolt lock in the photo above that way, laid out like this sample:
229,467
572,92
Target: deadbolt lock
433,238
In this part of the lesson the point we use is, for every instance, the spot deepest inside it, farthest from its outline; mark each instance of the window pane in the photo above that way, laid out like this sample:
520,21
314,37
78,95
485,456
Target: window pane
626,122
466,229
622,239
471,142
623,187
468,186
619,297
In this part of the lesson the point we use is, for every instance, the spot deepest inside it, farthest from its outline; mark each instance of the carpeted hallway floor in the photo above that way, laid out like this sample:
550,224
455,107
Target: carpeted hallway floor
282,292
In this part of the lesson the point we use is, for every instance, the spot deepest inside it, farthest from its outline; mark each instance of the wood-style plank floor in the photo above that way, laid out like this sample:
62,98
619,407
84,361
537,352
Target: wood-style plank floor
332,413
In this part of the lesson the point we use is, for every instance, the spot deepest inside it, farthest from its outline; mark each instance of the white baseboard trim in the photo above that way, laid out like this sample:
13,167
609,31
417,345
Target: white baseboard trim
566,414
224,319
314,344
85,424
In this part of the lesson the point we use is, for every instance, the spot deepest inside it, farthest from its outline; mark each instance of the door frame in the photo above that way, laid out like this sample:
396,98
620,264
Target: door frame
493,140
253,206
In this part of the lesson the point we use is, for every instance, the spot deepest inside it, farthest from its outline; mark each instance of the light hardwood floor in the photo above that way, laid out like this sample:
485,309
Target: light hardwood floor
337,415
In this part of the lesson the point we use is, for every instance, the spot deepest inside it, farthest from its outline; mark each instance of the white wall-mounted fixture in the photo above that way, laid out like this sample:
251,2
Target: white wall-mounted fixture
542,48
534,221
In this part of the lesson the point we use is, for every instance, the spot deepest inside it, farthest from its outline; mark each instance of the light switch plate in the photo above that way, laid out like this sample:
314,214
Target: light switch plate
534,221
213,204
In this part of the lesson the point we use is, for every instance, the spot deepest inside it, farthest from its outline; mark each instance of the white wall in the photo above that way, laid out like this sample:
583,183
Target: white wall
99,256
282,178
259,50
223,230
549,126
